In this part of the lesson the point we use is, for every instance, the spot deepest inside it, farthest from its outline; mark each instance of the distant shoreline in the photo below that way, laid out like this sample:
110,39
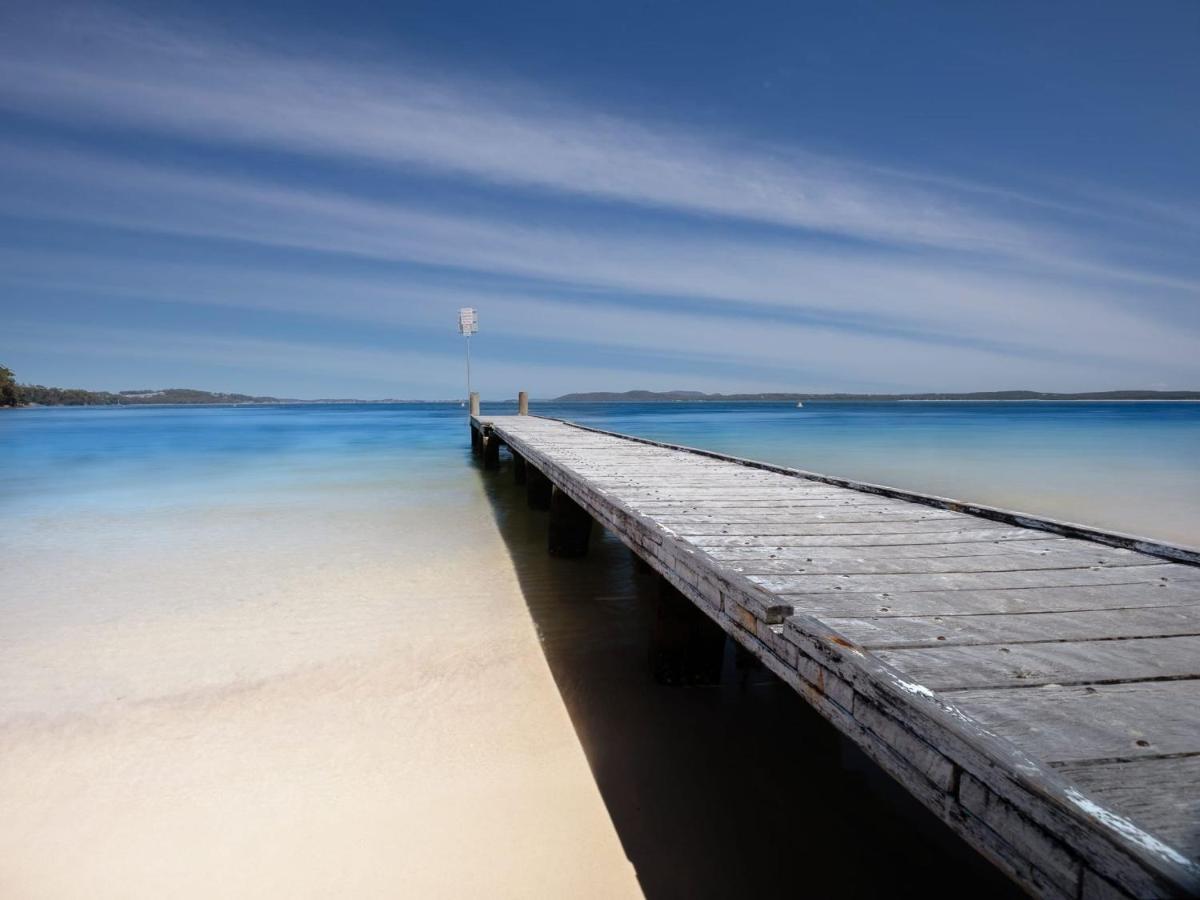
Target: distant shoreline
512,402
39,397
889,400
914,397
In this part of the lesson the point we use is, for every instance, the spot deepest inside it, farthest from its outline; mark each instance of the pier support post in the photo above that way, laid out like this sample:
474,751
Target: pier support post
476,434
570,526
518,466
491,451
522,404
538,488
687,647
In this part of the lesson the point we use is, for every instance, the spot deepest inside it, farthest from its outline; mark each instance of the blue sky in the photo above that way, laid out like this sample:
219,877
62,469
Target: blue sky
296,200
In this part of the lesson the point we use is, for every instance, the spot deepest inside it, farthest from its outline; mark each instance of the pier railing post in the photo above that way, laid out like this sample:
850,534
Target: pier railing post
522,404
570,526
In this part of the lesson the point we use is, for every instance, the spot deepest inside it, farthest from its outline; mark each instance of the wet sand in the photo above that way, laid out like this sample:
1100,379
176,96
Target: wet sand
318,696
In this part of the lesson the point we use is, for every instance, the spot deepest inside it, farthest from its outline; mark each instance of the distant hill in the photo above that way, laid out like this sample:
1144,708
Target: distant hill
691,396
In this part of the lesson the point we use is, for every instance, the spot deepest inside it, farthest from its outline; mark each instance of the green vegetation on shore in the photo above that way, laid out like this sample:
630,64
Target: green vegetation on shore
10,393
38,395
14,394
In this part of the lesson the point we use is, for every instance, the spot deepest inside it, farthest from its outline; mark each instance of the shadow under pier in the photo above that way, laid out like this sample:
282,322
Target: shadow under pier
729,790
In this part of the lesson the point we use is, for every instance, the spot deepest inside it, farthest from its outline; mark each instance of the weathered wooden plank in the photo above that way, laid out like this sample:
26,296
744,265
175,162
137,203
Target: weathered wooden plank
926,539
700,491
775,517
767,547
657,507
624,469
988,602
1164,573
1025,665
1160,795
729,549
806,529
777,562
895,632
1060,724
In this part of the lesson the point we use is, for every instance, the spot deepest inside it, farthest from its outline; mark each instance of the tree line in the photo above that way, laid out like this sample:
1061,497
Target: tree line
10,392
14,394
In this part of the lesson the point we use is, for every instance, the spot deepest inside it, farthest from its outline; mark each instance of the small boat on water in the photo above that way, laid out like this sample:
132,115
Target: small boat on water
799,404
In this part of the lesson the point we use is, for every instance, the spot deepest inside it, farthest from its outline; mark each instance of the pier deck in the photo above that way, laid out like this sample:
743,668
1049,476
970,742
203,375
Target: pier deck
1036,684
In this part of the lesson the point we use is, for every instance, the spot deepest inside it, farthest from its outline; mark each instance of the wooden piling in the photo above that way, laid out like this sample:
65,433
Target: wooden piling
570,526
639,562
522,404
686,646
538,488
491,451
518,467
476,433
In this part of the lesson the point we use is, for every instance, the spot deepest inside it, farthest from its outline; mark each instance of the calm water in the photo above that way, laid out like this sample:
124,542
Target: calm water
1133,467
227,547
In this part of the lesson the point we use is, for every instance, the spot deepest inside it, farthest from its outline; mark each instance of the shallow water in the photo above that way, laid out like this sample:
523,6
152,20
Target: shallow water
263,653
317,649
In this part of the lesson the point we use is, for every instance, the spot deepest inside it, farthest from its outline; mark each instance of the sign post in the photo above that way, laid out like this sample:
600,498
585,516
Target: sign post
468,324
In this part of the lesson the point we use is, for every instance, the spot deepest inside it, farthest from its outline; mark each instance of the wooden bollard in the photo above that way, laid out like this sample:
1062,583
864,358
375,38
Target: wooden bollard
570,526
491,451
522,404
474,403
687,647
538,488
518,466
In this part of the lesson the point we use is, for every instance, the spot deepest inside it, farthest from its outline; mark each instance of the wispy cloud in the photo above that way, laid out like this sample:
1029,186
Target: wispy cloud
108,69
939,299
771,258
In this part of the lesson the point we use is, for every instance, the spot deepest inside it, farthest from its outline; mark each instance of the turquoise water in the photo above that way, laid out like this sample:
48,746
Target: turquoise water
1132,467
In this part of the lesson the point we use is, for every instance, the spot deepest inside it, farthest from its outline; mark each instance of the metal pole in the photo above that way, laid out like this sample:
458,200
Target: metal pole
468,365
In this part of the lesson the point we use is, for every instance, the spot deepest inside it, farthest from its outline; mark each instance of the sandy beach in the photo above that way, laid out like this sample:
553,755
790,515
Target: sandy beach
329,694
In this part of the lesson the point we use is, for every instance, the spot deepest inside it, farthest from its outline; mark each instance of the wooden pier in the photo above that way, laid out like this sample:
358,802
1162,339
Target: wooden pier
1034,683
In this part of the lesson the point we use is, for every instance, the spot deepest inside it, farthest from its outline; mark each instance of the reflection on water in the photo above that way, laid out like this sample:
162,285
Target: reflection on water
735,790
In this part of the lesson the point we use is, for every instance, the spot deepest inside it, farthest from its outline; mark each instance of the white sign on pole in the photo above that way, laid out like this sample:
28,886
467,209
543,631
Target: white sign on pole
468,321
